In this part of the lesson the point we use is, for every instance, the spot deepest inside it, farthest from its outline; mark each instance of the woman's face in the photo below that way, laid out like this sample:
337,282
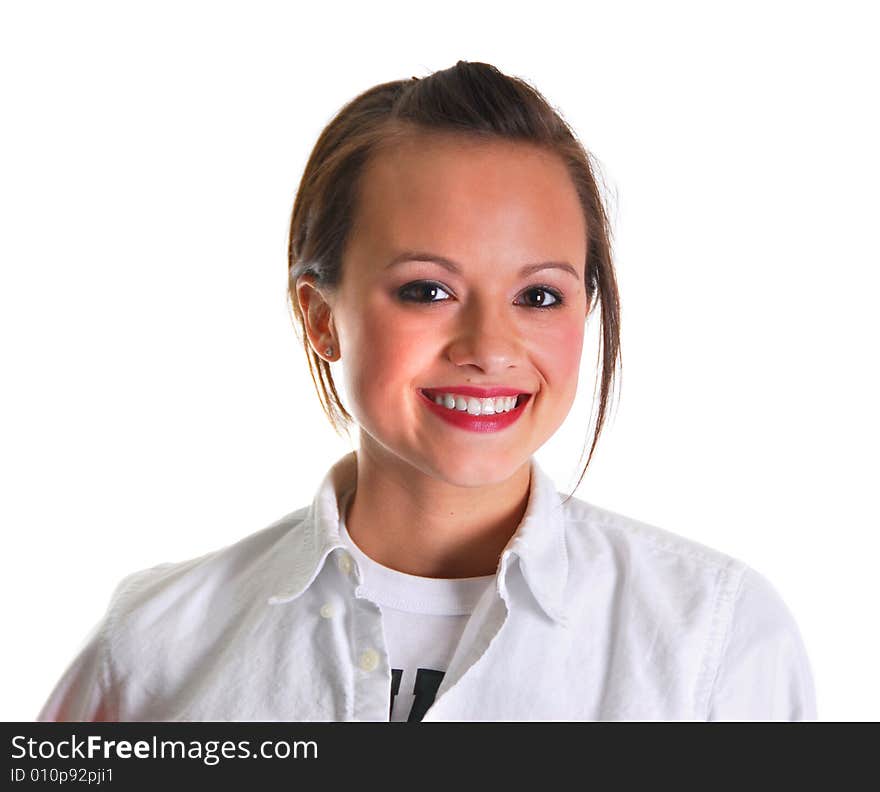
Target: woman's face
490,208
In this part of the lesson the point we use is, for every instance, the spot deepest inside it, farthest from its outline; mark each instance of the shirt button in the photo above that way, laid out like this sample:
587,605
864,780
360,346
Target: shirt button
345,563
369,659
327,610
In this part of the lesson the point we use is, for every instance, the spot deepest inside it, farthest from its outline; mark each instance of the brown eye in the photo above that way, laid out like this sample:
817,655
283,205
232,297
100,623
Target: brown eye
424,292
555,297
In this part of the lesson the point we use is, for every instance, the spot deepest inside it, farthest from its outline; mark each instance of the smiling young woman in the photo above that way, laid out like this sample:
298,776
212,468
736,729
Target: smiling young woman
448,243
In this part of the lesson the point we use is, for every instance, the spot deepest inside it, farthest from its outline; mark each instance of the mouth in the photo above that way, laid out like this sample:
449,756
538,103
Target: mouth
431,393
470,416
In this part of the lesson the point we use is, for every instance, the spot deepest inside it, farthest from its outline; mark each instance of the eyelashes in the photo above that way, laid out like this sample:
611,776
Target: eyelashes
422,287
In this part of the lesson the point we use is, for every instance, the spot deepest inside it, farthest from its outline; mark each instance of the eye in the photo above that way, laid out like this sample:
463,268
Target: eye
420,289
423,292
557,297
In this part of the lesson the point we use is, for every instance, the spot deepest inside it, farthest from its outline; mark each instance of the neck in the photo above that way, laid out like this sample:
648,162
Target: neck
415,523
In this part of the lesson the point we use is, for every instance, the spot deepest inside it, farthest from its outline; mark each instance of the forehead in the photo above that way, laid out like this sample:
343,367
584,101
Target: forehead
470,198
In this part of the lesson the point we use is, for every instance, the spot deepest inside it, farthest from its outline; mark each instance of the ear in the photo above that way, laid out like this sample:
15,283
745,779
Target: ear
315,304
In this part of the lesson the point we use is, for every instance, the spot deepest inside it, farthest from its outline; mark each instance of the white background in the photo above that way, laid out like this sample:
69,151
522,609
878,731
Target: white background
156,404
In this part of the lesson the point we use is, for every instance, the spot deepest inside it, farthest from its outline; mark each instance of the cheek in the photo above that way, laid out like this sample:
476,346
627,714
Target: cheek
561,351
396,344
560,360
388,356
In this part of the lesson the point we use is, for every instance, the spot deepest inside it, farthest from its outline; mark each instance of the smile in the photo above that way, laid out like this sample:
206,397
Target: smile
476,415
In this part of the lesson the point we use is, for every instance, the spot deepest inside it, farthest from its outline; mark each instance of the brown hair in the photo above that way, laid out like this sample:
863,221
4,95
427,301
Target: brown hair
473,99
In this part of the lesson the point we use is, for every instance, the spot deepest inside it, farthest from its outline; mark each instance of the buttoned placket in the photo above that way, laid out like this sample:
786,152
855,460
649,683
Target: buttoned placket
371,671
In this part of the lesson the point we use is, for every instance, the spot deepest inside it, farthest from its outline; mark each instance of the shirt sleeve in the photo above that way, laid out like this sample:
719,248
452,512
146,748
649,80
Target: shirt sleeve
82,693
764,672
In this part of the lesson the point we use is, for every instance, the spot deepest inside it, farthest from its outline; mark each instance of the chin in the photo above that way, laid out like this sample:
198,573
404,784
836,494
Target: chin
483,471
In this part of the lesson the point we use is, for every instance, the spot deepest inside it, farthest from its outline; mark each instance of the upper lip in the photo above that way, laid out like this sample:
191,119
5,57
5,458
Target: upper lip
480,393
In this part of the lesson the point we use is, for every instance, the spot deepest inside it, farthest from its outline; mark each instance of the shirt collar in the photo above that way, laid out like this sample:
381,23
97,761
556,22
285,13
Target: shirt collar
538,542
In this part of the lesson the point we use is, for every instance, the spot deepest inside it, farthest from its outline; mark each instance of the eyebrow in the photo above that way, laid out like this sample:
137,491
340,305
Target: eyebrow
528,269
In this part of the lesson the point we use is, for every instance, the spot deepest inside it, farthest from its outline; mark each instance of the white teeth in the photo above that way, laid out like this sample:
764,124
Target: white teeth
474,406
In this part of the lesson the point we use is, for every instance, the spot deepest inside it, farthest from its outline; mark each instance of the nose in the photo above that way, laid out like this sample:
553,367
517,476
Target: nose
485,339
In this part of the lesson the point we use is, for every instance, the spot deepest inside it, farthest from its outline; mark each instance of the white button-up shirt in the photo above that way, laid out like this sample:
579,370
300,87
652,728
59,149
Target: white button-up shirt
592,616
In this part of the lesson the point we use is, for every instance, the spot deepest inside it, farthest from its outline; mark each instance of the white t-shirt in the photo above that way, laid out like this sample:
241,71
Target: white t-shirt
422,618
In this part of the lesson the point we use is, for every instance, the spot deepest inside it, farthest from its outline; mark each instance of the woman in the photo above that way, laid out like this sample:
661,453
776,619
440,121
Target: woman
448,243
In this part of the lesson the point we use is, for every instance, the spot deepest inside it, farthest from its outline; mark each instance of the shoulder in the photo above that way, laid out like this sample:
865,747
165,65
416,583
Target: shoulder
753,664
623,542
185,591
159,619
763,672
662,583
585,518
654,556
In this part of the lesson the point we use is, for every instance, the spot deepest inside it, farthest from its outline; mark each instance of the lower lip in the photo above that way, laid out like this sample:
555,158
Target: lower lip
475,423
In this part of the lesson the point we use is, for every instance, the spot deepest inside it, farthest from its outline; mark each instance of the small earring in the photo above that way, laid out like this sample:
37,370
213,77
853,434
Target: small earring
329,351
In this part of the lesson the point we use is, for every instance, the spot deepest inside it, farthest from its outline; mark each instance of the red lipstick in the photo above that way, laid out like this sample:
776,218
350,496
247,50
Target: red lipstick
471,390
476,423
